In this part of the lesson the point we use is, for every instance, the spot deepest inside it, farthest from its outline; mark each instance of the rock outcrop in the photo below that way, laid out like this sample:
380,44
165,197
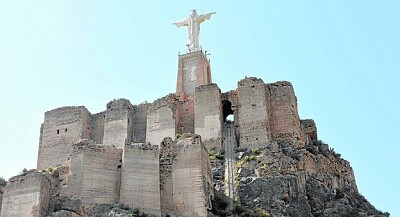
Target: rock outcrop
285,178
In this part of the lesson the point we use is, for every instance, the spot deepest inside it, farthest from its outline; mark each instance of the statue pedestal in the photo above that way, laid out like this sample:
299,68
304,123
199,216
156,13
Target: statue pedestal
193,70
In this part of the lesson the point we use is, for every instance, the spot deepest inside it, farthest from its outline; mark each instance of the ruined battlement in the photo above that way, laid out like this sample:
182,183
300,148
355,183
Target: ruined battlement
250,81
119,104
261,112
26,193
127,150
168,100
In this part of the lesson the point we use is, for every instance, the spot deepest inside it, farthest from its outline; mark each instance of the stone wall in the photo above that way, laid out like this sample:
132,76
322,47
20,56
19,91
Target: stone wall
140,182
140,122
161,120
26,195
284,118
118,126
185,115
192,178
95,173
166,158
253,112
62,127
208,114
97,127
309,128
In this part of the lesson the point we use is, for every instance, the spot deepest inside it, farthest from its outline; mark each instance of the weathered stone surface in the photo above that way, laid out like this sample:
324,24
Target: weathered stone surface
284,118
288,179
139,121
309,128
26,195
62,128
161,120
253,112
118,126
140,182
276,164
208,118
95,173
192,179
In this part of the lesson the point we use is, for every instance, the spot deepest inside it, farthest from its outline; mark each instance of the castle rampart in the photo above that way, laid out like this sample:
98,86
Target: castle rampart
118,126
208,118
161,120
284,118
192,179
253,112
62,127
161,176
139,120
166,191
26,195
97,127
95,173
140,182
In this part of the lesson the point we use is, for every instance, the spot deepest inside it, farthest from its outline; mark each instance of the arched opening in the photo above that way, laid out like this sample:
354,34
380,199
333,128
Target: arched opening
227,110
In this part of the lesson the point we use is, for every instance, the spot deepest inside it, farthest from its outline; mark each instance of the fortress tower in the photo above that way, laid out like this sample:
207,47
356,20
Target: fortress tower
193,70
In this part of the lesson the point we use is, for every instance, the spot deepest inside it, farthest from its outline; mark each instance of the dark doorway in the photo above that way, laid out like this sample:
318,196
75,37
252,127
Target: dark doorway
226,109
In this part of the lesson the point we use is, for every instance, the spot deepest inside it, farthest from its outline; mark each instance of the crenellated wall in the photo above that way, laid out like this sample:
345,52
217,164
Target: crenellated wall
208,115
118,126
26,195
140,182
253,112
62,127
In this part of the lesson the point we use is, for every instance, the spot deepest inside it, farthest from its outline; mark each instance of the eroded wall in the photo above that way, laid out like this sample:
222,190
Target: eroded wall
140,182
208,114
140,122
95,173
253,112
97,127
118,126
26,195
185,115
161,120
191,177
166,191
284,118
62,127
309,128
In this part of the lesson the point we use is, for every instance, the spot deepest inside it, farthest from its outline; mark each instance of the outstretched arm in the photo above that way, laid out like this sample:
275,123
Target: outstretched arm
203,17
183,22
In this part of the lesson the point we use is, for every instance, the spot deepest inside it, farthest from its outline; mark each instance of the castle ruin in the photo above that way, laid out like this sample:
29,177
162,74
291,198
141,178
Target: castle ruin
155,156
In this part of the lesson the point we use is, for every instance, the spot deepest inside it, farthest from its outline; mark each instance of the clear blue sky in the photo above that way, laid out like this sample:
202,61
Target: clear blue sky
341,56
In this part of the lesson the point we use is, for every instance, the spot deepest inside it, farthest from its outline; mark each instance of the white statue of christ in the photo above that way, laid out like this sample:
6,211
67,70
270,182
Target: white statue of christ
193,24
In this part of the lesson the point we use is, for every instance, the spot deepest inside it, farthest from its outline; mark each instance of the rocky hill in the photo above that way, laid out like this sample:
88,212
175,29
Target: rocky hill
288,178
